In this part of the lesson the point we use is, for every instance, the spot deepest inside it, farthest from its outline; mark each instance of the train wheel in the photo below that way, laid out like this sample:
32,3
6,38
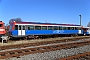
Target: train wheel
84,34
76,35
26,37
72,35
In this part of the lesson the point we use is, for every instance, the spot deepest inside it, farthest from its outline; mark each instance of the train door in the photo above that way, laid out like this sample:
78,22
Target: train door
21,31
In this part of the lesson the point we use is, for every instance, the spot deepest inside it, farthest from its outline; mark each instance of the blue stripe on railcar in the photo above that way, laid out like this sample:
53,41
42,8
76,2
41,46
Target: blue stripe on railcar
87,33
15,33
42,32
33,32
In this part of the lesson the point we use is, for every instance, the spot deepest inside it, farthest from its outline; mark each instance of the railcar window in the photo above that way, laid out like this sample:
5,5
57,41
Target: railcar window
1,25
23,27
77,28
50,27
65,28
37,27
56,27
71,28
44,27
68,28
26,27
60,28
30,27
19,27
16,27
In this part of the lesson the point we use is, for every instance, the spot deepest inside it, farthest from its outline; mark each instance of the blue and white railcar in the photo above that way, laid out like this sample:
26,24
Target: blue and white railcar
23,29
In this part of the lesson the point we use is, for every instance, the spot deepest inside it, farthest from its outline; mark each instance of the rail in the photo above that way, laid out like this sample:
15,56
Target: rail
39,43
40,49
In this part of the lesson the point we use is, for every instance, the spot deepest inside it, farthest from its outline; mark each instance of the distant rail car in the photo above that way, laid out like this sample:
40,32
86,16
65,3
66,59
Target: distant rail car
86,30
2,29
33,29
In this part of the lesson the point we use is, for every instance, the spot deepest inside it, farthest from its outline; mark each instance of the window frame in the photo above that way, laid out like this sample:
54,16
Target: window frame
56,28
15,27
65,28
51,28
45,27
19,27
29,27
60,28
39,27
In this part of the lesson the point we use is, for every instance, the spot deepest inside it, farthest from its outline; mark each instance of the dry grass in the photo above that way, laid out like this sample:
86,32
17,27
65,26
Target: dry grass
37,40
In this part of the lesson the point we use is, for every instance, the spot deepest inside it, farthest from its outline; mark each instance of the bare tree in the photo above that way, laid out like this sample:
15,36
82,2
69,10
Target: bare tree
88,25
16,20
7,26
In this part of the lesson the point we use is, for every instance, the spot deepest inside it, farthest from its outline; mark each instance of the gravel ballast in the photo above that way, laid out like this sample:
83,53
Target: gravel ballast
53,55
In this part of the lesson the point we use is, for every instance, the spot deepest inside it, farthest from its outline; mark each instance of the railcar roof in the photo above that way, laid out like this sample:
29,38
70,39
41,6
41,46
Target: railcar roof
45,23
86,27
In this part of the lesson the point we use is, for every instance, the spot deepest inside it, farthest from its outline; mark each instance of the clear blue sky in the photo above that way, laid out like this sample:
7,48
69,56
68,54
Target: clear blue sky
56,11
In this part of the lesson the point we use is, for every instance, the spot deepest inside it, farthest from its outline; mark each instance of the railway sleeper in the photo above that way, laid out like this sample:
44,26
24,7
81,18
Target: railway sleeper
11,53
87,57
26,50
26,45
40,49
2,54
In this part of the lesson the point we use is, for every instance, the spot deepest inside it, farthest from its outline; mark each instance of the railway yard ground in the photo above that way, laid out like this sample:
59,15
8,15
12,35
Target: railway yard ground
65,48
15,42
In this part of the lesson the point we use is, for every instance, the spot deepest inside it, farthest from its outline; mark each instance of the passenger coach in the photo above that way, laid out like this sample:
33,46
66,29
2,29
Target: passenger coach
25,29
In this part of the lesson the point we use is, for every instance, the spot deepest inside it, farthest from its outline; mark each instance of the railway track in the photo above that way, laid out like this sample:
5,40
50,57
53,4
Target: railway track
41,43
40,49
83,56
14,42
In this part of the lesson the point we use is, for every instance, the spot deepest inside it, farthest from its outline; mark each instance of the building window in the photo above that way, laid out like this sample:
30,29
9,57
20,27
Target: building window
44,27
37,27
